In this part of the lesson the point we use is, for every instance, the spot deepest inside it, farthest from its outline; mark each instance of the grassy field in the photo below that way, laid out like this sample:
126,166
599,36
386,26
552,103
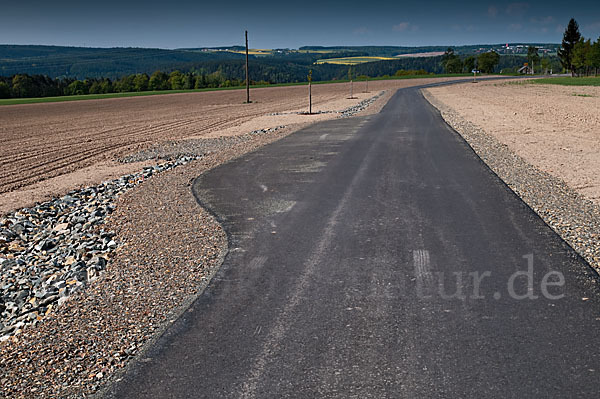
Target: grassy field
569,81
16,101
352,60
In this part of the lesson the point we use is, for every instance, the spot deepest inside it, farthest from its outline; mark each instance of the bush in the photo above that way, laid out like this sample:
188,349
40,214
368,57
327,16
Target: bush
4,90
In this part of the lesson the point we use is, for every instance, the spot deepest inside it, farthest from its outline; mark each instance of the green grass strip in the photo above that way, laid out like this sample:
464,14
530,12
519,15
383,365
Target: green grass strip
569,81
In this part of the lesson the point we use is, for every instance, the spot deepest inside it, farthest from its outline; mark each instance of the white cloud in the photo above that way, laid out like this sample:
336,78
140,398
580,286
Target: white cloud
492,11
515,27
542,20
401,27
593,27
361,31
464,28
517,9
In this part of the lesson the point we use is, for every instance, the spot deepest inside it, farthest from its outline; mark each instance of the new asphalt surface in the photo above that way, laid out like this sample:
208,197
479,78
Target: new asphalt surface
378,257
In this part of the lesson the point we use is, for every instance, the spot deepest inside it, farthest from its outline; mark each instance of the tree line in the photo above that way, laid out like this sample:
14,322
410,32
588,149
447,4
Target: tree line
491,61
24,86
485,62
578,55
209,75
231,73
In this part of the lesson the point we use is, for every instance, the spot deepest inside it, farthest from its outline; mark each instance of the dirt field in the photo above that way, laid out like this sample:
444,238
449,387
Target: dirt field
555,128
48,149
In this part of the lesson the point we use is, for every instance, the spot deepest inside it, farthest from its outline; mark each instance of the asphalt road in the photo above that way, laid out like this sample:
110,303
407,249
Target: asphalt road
375,257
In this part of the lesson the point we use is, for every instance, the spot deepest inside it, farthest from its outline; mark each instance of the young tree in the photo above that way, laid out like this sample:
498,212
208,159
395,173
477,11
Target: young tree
469,64
451,62
216,79
488,61
176,80
140,82
545,63
106,86
581,55
95,88
533,57
77,88
189,81
350,78
126,84
448,54
200,81
454,65
4,90
595,56
158,81
570,38
23,86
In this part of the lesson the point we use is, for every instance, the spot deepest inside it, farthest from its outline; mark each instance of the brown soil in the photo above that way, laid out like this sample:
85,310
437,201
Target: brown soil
555,128
70,144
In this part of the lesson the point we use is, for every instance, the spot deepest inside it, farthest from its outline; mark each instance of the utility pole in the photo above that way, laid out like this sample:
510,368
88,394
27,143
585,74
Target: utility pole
247,76
310,92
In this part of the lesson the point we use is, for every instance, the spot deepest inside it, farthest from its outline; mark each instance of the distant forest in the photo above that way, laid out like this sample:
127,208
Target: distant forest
42,71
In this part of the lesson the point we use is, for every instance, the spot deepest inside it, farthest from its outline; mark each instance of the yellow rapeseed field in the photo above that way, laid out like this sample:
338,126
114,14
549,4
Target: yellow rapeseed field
352,60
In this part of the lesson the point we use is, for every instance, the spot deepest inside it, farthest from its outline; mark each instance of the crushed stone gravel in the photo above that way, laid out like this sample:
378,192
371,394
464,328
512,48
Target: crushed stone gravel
53,249
572,216
196,148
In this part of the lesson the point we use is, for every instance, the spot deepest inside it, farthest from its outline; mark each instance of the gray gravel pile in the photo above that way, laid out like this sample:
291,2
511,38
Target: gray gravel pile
361,106
51,250
193,148
575,218
345,113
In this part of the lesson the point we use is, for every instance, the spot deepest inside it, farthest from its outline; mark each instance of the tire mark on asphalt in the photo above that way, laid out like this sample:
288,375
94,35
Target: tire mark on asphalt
422,266
286,318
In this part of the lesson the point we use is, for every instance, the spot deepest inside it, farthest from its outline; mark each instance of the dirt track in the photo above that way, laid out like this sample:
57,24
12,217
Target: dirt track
54,140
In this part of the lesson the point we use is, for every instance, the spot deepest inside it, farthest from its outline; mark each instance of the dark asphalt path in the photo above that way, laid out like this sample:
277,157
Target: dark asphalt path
347,239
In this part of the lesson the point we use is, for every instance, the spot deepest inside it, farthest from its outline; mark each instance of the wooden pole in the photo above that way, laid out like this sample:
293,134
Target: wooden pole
310,98
309,92
247,75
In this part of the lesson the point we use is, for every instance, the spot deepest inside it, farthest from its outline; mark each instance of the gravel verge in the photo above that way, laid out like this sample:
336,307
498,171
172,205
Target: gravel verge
51,250
163,249
194,148
575,218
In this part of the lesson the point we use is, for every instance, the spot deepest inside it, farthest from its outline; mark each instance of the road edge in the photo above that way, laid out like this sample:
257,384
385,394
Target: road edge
558,214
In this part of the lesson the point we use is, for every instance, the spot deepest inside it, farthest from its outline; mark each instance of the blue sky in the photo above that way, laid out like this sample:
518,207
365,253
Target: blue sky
278,24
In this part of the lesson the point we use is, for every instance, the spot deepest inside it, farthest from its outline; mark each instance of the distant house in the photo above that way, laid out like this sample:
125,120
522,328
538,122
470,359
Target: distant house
525,70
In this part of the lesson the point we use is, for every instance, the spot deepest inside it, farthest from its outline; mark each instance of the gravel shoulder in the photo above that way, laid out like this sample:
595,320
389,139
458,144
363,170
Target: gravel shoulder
552,195
168,248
